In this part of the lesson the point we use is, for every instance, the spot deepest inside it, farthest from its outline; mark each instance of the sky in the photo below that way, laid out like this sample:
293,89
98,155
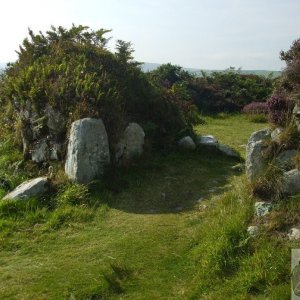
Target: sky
205,34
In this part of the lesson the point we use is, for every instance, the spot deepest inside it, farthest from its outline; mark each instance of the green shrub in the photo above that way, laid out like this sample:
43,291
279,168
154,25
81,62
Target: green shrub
73,194
269,185
257,118
74,72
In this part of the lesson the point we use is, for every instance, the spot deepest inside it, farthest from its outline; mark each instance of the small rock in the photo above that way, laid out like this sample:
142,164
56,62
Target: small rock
291,182
228,151
296,115
285,159
29,188
262,208
55,121
40,151
187,143
294,234
200,200
208,140
275,134
55,151
252,230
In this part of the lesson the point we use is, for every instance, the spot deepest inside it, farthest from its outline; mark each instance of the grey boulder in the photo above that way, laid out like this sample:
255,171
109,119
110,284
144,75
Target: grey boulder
291,182
294,234
131,144
29,188
285,159
208,140
88,150
187,143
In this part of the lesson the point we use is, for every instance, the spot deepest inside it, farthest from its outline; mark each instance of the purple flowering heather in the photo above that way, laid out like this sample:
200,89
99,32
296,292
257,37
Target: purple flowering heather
278,109
256,108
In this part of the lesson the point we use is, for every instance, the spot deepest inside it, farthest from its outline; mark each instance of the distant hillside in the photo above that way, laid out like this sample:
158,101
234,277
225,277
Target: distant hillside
146,67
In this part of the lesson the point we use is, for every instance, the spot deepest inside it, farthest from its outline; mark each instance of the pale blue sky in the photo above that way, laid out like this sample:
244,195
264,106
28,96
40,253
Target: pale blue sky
206,34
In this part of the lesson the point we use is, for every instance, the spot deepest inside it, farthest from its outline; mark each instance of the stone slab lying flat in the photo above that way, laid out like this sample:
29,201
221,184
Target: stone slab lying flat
29,188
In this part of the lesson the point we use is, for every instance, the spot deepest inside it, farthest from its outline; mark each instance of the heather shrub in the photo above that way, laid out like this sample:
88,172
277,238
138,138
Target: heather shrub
255,108
279,109
226,91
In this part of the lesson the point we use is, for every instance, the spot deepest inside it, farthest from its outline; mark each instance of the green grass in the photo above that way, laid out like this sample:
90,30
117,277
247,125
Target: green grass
233,130
172,228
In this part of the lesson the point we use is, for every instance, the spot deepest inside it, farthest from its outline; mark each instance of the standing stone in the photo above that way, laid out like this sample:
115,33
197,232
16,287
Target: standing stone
29,188
88,150
255,161
260,135
187,143
131,143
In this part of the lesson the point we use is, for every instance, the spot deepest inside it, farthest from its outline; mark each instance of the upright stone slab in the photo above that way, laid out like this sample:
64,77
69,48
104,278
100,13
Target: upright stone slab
131,144
88,150
255,161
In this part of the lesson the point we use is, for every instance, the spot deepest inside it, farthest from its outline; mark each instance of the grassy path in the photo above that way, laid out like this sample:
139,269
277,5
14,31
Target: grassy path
163,236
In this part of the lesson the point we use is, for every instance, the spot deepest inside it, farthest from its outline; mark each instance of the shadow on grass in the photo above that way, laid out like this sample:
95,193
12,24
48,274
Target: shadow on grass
166,184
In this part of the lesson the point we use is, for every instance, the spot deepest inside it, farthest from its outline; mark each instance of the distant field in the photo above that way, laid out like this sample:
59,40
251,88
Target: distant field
152,66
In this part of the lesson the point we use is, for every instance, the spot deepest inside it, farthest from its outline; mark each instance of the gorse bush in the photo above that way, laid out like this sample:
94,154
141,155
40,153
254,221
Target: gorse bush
72,72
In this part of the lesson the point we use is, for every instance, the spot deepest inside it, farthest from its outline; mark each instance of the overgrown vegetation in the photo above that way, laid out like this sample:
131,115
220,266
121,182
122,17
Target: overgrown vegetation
170,226
74,73
227,91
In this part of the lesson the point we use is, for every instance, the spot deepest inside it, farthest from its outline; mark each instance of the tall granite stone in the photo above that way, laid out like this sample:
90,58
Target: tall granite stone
255,161
88,150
